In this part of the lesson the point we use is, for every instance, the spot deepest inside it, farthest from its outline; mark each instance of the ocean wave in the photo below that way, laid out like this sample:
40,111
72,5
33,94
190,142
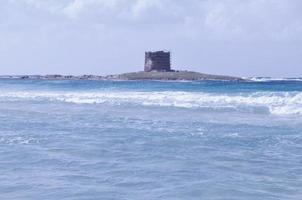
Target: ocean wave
18,140
270,79
280,103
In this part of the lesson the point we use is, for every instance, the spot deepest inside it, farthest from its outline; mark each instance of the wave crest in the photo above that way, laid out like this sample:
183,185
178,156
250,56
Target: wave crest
275,102
270,79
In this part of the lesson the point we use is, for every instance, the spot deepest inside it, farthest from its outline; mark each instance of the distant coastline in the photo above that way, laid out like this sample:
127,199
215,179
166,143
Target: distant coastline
153,75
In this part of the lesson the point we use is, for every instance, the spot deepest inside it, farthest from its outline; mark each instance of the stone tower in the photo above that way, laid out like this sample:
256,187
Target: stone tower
157,61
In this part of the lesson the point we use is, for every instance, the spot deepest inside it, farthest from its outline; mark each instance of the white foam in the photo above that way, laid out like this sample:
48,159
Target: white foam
18,140
275,102
269,79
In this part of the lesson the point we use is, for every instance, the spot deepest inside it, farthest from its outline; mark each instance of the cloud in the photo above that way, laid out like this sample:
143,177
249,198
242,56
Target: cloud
142,6
75,8
272,18
230,16
208,19
105,27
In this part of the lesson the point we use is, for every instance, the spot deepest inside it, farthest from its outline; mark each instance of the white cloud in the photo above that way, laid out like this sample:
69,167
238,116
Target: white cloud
226,14
275,19
76,7
141,6
137,25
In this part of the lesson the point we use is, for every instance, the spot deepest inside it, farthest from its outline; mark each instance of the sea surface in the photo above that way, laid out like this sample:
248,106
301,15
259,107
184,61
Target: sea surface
95,140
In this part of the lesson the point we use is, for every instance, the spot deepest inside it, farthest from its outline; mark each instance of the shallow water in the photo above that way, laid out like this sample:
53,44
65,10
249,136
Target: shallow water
150,140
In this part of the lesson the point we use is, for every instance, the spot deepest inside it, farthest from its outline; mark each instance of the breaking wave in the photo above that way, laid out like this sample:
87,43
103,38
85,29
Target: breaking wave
280,103
269,79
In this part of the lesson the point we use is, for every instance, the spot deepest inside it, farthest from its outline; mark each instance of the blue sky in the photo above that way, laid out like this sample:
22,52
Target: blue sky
234,37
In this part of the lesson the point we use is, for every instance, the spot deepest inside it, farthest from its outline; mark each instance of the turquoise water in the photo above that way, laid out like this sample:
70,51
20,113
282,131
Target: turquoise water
150,140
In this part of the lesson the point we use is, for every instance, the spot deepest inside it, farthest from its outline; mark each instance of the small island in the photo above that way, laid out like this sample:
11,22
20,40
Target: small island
157,67
173,75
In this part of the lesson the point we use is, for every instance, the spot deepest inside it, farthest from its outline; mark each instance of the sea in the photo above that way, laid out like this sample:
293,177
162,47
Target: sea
174,140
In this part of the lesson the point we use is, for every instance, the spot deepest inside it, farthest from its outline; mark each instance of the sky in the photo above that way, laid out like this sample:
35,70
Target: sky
231,37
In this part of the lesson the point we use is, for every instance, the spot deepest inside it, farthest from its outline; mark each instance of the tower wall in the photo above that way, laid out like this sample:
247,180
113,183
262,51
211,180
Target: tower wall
157,61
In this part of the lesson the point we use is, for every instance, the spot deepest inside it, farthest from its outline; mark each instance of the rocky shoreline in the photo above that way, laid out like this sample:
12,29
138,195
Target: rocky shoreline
154,75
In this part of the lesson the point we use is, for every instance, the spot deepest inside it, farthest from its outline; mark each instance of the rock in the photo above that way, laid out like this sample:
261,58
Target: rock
174,75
